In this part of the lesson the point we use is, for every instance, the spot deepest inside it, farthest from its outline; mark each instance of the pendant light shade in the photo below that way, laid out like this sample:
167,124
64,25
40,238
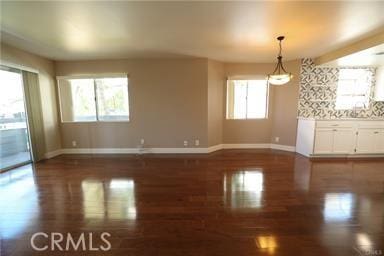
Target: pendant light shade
279,76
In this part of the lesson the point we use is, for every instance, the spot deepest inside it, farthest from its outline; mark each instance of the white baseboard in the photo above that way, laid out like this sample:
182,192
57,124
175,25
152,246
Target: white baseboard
101,151
192,150
52,154
283,147
178,150
256,146
134,150
245,146
166,150
214,148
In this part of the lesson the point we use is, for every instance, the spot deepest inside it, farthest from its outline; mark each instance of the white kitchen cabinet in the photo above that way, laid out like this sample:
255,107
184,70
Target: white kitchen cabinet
370,140
343,141
380,141
379,86
345,137
365,141
334,141
323,141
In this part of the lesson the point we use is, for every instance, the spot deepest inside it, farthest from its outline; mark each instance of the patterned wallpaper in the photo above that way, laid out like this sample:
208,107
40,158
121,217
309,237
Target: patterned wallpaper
317,94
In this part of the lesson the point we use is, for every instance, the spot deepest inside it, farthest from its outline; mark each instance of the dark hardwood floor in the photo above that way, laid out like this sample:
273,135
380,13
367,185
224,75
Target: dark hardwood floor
232,202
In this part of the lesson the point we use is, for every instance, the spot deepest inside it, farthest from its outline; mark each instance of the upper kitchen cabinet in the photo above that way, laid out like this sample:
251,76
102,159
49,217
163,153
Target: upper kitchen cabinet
379,87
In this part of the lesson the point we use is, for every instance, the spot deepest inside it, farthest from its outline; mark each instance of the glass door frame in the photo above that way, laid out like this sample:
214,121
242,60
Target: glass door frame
31,160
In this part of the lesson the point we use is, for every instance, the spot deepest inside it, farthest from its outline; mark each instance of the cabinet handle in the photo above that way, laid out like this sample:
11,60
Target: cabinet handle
335,125
335,130
376,132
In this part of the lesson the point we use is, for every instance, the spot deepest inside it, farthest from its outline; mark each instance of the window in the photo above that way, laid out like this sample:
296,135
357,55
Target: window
82,96
112,98
353,88
247,99
94,99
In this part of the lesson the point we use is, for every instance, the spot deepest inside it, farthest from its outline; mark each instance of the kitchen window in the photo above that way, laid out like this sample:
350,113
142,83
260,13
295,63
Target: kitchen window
353,88
247,99
87,99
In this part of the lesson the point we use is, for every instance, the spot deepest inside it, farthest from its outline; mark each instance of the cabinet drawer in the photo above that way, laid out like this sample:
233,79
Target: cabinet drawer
371,124
334,124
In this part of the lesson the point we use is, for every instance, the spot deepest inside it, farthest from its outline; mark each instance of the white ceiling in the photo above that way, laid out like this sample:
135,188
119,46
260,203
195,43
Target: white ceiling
227,31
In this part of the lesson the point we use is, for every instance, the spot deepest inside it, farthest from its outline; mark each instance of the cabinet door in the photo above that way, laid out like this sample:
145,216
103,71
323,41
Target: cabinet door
323,141
365,143
379,141
343,141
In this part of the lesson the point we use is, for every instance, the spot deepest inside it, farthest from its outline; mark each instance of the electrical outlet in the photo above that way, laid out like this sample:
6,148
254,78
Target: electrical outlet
185,143
142,141
197,142
74,143
277,139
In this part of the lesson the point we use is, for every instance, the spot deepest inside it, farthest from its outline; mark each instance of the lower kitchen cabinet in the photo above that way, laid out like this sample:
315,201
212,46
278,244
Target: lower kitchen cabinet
324,141
334,141
340,137
380,141
370,140
343,141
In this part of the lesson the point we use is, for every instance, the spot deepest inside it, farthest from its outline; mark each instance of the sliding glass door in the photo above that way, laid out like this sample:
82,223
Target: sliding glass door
14,137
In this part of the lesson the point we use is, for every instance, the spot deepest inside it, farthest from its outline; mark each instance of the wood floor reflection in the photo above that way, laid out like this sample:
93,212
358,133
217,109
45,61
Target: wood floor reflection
232,202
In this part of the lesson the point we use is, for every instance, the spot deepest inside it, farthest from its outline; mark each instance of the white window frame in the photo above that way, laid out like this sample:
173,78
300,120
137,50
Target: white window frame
94,77
247,78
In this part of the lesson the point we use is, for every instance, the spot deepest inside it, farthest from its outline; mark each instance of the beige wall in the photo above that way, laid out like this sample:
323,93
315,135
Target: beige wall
282,108
285,103
216,85
47,84
171,100
168,104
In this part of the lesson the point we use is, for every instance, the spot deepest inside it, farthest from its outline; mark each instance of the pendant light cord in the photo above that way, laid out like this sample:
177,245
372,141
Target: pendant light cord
279,66
279,69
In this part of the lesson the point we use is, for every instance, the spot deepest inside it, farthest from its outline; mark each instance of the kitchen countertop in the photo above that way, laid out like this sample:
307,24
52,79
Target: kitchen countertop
343,119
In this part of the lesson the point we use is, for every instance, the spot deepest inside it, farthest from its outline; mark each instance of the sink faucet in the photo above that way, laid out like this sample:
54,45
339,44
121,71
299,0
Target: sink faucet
362,105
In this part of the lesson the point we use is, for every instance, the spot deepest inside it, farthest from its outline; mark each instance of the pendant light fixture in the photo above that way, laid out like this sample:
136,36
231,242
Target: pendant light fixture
279,76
